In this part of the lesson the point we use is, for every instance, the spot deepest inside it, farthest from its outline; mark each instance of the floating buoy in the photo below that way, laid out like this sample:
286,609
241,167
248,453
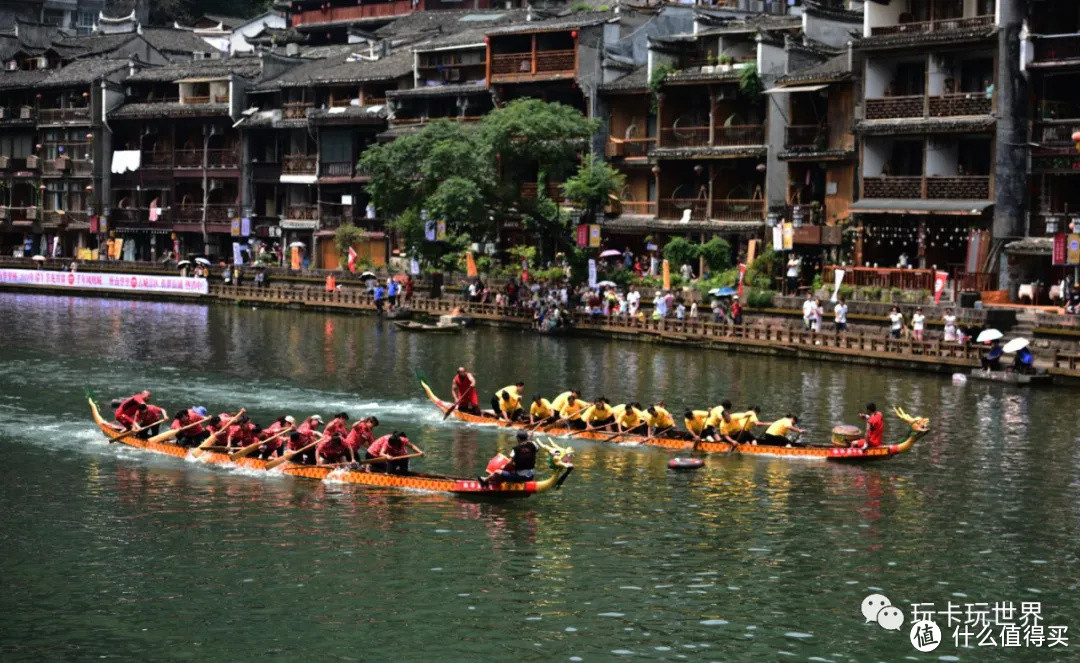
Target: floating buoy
959,378
685,464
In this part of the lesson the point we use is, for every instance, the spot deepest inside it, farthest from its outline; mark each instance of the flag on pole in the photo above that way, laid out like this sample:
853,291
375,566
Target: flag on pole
838,278
742,273
352,260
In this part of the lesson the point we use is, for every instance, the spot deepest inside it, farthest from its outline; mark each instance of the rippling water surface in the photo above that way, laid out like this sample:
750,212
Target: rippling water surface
110,552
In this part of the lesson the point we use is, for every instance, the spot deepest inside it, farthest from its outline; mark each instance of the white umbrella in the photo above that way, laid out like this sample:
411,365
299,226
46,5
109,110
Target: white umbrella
183,263
605,284
39,258
298,245
1015,345
988,335
368,275
203,261
610,253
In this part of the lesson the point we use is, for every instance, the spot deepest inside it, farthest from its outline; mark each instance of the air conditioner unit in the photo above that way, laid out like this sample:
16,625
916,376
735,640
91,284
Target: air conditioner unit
12,65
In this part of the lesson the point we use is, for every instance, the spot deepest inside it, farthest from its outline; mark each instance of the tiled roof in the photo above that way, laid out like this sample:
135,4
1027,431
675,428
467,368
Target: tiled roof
834,13
811,154
348,115
936,125
637,80
904,39
557,24
724,24
1031,246
93,45
438,91
83,72
168,109
833,69
171,40
448,22
345,70
10,80
245,66
227,21
694,74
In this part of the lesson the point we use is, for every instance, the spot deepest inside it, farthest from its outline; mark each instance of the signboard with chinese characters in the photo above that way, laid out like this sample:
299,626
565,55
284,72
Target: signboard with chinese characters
101,281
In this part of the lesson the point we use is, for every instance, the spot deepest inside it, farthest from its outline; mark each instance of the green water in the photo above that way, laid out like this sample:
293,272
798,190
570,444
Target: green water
112,553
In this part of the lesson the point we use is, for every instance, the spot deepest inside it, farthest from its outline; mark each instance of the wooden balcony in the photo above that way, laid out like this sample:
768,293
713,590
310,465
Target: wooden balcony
18,213
890,108
722,136
66,166
732,209
637,207
355,13
806,137
529,65
302,212
337,168
927,188
158,159
940,25
64,116
873,277
630,148
675,208
921,107
299,164
1057,48
223,158
297,110
959,105
197,99
214,213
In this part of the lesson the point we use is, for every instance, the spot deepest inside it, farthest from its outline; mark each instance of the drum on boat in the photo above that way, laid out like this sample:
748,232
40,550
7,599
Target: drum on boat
844,435
685,464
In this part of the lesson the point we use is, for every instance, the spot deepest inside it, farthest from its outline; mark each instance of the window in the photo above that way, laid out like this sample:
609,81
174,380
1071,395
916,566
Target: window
336,146
84,19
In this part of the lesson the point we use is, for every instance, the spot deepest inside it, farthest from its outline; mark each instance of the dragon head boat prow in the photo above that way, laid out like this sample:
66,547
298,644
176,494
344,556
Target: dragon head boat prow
919,426
558,457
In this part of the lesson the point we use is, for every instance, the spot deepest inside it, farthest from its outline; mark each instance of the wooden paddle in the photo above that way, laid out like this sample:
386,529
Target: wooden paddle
367,461
288,456
460,400
173,432
209,442
657,434
252,447
136,431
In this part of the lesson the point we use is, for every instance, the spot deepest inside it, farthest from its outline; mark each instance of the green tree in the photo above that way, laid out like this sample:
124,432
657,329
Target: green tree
347,235
592,185
680,252
717,254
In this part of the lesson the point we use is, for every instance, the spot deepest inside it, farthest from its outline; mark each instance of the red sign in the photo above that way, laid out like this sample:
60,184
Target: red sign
583,235
1060,248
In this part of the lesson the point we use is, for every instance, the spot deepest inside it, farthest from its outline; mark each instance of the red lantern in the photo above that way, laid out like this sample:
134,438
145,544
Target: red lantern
486,40
573,33
1076,136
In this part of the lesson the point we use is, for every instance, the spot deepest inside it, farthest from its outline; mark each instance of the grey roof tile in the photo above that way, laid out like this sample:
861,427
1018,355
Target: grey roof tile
244,66
83,72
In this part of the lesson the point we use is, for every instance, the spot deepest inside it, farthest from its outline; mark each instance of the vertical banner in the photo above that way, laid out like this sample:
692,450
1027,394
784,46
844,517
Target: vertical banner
245,227
237,257
594,236
352,260
1060,242
234,227
1072,250
294,258
592,272
666,270
176,249
440,231
429,231
414,266
789,236
838,278
470,264
742,274
751,250
777,238
56,246
939,285
583,235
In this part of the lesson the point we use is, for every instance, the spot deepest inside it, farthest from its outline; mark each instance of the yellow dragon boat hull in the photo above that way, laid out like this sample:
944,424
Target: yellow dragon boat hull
411,481
835,454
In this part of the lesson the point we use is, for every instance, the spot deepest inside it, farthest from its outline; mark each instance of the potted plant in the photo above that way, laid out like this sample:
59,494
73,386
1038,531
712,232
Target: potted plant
725,63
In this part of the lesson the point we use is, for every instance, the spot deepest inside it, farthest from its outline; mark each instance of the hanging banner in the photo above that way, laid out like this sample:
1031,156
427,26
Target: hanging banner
838,278
1060,253
245,227
429,231
666,271
594,236
117,248
414,266
105,281
470,264
440,231
237,256
939,285
294,258
583,235
742,275
234,227
777,238
789,236
592,273
56,246
1072,250
352,260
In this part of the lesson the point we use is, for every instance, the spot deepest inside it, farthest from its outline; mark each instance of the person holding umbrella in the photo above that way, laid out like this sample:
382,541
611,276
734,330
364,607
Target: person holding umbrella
1024,361
991,361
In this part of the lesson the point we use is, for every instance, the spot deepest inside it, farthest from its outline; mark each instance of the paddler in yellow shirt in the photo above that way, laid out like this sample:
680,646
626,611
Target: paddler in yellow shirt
715,415
694,420
658,419
559,402
541,411
776,433
571,412
599,415
737,427
629,418
507,401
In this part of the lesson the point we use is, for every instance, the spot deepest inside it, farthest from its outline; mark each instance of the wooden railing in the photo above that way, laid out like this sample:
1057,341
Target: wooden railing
1057,48
63,115
638,207
157,159
923,106
18,212
197,99
928,188
545,62
977,281
939,25
684,137
629,148
893,187
675,208
302,212
730,209
336,168
723,136
806,136
189,158
299,164
895,107
296,110
873,277
739,134
342,14
214,213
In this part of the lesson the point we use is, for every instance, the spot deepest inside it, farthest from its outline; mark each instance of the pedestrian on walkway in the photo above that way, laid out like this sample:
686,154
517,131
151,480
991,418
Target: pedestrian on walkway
896,322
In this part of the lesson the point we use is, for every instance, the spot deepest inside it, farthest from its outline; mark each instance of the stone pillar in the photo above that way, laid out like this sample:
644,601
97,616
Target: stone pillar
1010,177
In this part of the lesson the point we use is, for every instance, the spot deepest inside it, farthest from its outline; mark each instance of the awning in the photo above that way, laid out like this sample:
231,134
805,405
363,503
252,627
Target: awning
901,206
796,88
635,223
1031,246
297,179
206,79
125,161
298,224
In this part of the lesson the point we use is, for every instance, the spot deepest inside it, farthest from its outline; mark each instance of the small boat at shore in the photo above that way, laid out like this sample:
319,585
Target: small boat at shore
560,460
918,427
413,325
1010,377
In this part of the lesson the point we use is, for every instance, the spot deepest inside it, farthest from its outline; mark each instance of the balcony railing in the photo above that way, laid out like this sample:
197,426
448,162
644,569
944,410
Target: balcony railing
297,110
215,158
927,188
629,148
895,107
66,166
302,212
214,213
299,164
940,25
58,218
18,213
191,158
157,159
723,136
197,99
806,137
545,62
638,207
958,105
553,190
921,106
337,168
1055,134
869,277
63,115
731,209
1057,48
675,208
336,14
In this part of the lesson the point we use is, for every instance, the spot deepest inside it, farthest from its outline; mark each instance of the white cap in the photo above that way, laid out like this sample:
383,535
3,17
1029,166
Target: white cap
316,418
289,419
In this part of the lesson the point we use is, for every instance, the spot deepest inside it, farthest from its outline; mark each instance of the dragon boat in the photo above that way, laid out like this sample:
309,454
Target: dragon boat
560,459
919,426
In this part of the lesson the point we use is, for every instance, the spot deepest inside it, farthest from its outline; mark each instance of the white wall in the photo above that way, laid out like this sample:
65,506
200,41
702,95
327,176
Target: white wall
876,15
879,73
238,42
772,60
938,72
875,152
941,157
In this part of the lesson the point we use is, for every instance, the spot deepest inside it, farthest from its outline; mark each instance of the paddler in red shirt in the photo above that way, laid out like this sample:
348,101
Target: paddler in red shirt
465,384
875,428
195,434
241,433
331,450
361,436
129,408
307,431
389,447
272,446
339,425
147,415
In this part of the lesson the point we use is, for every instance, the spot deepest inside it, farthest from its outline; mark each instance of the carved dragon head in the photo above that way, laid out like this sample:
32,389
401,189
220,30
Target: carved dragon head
558,457
919,425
